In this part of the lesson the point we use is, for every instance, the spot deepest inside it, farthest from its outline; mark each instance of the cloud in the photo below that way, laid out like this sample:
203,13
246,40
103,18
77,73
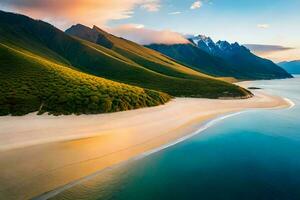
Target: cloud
196,5
89,12
151,5
266,48
144,36
175,13
276,53
263,26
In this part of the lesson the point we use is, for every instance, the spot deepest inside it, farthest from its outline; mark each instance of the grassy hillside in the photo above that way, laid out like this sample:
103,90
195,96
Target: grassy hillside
170,76
138,54
31,83
45,40
41,69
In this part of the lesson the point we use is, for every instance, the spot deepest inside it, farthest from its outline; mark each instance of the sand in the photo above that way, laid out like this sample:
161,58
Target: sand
41,153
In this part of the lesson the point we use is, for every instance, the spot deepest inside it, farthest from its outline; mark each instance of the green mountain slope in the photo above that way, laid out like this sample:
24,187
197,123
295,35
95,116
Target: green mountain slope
32,83
27,44
138,54
174,78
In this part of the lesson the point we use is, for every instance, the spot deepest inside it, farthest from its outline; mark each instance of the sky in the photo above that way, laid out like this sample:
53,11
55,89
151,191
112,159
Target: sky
270,28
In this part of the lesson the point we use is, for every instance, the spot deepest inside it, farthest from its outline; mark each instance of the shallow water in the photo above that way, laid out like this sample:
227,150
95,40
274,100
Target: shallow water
253,155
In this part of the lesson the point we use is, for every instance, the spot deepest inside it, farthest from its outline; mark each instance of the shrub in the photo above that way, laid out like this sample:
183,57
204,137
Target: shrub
30,84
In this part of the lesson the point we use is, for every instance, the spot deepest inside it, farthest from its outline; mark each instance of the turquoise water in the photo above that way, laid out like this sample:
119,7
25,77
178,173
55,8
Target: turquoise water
254,155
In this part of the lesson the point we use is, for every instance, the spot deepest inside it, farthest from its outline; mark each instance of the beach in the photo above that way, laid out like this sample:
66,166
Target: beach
39,153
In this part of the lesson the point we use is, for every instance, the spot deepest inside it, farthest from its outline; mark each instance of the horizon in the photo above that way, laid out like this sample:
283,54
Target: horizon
253,24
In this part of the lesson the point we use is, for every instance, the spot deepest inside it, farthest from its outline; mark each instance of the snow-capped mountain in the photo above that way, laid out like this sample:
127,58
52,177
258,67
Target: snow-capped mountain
221,59
220,48
204,43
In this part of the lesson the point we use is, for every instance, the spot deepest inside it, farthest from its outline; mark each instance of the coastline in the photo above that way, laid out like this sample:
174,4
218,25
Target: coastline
202,128
79,155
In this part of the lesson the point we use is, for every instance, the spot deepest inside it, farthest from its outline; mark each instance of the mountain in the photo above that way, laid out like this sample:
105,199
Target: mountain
221,59
292,67
170,76
44,82
240,58
32,83
44,69
197,59
134,53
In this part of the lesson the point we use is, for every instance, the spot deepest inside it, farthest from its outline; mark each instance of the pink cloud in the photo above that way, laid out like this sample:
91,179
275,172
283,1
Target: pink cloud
144,36
66,12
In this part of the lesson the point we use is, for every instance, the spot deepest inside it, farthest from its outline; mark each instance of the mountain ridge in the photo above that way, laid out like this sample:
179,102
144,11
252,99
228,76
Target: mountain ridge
43,69
230,60
239,56
132,50
149,59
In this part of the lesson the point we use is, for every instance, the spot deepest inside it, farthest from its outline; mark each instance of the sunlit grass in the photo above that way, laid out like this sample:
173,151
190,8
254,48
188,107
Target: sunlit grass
31,83
43,69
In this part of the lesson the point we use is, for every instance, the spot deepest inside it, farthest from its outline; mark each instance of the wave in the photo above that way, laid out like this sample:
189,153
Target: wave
292,104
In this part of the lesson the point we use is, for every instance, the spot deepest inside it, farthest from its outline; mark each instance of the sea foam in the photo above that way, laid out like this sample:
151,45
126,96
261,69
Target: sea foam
292,104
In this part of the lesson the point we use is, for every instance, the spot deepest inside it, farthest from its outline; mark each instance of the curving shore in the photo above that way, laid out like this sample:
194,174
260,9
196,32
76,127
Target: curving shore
41,153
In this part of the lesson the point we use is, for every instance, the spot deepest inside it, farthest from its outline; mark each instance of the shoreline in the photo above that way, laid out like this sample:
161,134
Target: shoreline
83,168
202,128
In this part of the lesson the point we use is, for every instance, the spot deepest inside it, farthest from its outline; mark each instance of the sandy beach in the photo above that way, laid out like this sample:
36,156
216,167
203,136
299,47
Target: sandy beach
41,153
